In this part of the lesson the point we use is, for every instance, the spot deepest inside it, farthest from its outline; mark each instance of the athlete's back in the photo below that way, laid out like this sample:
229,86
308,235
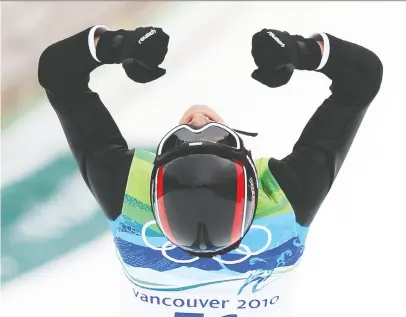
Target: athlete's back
165,280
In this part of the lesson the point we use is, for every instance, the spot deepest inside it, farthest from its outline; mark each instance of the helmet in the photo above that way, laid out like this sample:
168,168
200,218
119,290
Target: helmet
204,188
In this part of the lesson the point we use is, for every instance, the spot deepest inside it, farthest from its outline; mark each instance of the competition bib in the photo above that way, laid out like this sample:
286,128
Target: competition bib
164,281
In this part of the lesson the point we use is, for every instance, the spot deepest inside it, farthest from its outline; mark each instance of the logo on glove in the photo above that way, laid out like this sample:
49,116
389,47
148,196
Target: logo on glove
276,39
150,33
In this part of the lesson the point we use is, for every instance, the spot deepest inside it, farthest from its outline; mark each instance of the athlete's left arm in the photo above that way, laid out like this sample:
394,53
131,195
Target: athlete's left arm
307,174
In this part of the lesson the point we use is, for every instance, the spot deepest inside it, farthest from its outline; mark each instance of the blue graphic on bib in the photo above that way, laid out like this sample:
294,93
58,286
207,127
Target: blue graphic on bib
256,278
271,244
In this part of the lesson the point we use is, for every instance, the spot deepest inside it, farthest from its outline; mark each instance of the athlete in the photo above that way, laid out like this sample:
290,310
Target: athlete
200,228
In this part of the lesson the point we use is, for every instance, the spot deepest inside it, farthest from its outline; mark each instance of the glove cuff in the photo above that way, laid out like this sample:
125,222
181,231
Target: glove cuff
109,50
309,55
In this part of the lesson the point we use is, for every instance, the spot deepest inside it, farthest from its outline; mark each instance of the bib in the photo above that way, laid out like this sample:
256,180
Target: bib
163,280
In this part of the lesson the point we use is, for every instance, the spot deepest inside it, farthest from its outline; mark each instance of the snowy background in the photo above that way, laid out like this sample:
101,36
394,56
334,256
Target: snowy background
355,260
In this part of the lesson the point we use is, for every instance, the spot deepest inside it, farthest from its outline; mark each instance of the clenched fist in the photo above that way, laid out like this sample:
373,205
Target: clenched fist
278,53
140,51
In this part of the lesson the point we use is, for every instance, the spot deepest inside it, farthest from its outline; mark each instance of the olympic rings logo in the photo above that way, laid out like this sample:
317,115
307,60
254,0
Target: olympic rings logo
246,251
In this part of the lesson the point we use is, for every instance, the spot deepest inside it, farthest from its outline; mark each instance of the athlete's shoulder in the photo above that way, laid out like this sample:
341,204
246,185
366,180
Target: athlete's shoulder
261,164
140,171
264,172
144,155
271,198
267,181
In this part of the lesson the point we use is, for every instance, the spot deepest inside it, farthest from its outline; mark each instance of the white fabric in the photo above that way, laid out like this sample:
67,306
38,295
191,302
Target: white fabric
326,50
96,30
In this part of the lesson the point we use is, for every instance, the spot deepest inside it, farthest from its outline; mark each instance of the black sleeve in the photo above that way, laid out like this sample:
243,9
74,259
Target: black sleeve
99,148
307,174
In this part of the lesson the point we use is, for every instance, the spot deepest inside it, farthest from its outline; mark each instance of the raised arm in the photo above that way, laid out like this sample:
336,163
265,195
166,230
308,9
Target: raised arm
307,174
99,148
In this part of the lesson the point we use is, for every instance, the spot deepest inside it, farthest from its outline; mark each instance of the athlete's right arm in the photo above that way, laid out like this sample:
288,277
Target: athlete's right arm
100,150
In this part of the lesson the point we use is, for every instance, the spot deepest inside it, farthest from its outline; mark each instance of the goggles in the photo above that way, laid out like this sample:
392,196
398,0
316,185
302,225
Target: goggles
186,139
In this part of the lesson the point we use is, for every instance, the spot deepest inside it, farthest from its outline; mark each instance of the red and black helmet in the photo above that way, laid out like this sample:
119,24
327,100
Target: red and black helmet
204,188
